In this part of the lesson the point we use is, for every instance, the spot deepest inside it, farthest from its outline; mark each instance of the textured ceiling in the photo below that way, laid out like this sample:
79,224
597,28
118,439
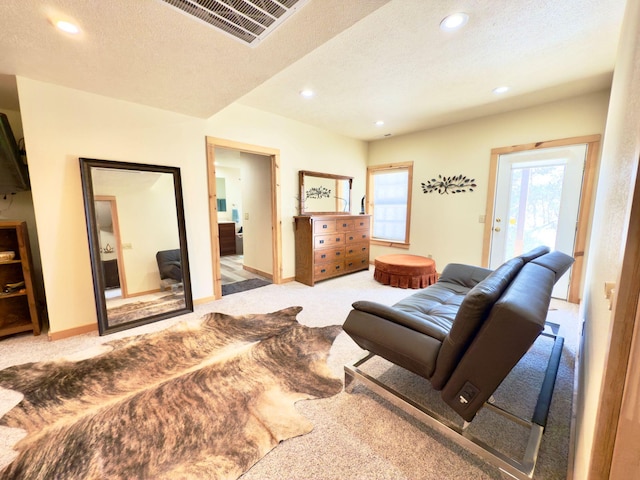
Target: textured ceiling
366,59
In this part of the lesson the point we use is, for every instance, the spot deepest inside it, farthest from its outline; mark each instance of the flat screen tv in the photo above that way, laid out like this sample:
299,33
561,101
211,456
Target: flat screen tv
14,175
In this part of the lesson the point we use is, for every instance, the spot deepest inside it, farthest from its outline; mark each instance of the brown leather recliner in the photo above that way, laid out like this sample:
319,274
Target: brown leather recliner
466,332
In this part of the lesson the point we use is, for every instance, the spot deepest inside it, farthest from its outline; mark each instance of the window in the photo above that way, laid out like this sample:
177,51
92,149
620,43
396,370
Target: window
389,203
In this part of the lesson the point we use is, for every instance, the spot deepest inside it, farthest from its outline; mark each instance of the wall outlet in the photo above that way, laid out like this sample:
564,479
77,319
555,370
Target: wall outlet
482,218
126,246
246,216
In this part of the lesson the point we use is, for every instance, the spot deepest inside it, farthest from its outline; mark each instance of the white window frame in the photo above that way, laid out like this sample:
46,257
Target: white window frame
389,168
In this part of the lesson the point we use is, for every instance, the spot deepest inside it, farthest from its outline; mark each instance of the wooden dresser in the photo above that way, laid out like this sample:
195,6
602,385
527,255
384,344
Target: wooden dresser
328,246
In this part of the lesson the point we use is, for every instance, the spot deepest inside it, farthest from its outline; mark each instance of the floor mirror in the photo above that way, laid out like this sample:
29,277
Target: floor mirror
137,242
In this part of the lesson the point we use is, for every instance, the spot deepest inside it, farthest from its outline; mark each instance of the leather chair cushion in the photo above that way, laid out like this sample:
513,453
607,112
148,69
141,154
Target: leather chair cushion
535,253
470,316
555,261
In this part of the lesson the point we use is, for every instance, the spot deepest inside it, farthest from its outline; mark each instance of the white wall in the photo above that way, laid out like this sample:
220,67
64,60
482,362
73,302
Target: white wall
447,226
61,125
621,148
302,147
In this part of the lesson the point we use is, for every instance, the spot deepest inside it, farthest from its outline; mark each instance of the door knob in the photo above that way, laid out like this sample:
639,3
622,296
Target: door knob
497,229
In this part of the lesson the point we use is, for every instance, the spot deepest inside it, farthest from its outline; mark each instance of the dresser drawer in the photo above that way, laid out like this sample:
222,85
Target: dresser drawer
355,237
330,240
356,263
328,255
344,225
361,223
324,226
325,270
357,249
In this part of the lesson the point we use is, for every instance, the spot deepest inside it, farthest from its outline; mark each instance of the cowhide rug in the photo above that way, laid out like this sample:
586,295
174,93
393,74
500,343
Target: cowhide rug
136,310
186,402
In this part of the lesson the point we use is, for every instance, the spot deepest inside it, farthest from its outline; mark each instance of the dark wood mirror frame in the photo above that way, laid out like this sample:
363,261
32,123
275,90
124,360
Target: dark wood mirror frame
333,188
86,168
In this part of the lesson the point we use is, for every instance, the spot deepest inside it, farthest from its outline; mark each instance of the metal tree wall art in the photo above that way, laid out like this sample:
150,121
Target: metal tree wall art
456,184
319,192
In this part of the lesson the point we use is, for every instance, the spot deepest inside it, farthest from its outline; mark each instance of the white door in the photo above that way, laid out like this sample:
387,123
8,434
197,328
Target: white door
537,203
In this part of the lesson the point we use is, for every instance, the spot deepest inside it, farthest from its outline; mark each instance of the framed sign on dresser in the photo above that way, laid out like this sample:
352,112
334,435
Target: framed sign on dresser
328,246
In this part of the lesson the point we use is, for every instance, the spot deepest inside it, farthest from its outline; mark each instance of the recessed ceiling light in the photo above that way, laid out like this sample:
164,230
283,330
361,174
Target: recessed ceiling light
380,123
67,27
454,21
306,93
500,90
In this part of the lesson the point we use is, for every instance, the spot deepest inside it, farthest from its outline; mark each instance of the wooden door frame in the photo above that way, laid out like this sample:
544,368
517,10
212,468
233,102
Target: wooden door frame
586,200
276,221
113,206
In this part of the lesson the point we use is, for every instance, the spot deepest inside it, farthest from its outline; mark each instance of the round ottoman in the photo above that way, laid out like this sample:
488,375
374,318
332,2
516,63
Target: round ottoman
405,271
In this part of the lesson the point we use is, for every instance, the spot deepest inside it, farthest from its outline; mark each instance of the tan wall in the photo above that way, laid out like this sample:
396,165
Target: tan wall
61,125
302,147
256,192
620,151
20,207
447,226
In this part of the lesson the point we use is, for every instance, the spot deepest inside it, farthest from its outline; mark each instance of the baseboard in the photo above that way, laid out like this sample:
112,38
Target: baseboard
258,272
288,279
200,301
72,332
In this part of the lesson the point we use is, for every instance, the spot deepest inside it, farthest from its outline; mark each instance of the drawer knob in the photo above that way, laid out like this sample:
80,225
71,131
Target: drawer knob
324,255
323,270
325,226
338,254
321,241
337,267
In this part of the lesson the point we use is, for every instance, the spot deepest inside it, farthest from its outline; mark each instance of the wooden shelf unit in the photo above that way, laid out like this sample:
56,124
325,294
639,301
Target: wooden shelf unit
18,312
328,246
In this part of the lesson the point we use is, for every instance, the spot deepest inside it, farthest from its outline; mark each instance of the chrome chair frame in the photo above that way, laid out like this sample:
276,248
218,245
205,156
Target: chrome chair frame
521,469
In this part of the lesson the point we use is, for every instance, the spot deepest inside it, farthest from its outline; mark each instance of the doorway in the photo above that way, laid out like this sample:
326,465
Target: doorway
110,246
540,194
537,200
261,224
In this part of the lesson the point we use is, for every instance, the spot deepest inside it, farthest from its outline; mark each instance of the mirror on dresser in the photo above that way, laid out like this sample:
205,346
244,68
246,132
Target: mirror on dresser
137,242
324,193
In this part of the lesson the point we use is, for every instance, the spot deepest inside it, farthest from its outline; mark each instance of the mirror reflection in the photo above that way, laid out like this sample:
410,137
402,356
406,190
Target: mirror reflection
135,222
221,194
324,193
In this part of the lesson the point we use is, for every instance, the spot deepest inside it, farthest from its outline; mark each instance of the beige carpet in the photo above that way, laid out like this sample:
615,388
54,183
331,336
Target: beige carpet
356,435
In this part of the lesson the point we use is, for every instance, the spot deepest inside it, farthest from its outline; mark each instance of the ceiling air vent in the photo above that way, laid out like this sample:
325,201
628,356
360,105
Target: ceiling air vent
249,21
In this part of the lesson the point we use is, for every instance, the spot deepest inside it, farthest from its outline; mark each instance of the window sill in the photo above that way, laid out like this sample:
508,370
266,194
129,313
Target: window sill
390,243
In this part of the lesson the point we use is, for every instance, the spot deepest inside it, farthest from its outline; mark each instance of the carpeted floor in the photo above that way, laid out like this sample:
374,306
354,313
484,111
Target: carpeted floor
355,435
